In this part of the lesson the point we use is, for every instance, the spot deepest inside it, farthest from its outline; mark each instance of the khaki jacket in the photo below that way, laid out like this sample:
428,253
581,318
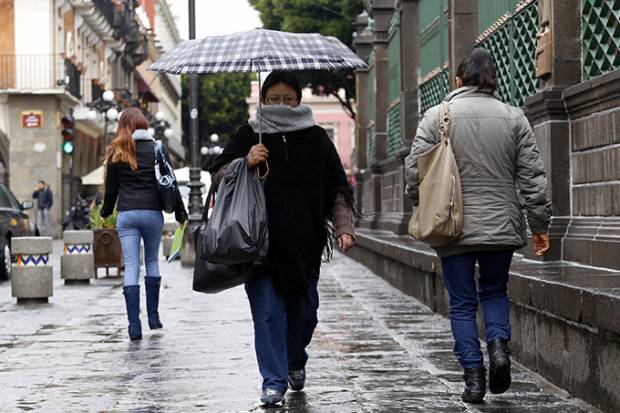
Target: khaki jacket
500,166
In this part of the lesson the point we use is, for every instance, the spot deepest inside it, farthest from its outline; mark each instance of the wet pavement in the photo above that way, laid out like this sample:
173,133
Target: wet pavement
375,350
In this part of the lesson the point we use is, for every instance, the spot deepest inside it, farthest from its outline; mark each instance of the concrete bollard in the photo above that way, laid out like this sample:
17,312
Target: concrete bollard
32,274
166,239
77,265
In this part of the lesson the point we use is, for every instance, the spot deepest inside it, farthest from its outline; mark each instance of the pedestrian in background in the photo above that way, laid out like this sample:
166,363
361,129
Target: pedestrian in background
130,177
45,199
498,159
305,189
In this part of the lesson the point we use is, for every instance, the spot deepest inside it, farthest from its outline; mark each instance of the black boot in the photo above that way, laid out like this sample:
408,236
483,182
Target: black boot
499,366
152,301
132,302
475,385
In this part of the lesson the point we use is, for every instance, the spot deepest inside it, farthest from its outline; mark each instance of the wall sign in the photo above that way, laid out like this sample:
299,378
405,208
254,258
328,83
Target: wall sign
32,119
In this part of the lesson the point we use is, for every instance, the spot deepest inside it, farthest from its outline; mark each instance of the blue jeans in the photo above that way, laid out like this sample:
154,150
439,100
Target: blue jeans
132,226
282,329
459,278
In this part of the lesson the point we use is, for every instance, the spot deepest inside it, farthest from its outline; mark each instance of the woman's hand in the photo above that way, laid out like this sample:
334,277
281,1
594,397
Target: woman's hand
541,244
258,153
345,242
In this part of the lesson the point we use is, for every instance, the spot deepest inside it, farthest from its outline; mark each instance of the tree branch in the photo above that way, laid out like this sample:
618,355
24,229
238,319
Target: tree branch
346,104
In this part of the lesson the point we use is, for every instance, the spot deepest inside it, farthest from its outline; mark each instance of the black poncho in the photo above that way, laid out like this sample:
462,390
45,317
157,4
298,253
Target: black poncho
305,175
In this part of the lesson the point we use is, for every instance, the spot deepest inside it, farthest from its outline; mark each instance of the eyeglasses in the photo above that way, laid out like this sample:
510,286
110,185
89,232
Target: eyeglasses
276,99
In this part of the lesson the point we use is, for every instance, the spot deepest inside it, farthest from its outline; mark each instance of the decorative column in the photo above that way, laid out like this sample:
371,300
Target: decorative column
363,46
463,30
410,69
558,66
381,12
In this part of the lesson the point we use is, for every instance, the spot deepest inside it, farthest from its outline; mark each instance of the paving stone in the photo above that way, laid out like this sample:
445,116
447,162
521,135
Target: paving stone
375,350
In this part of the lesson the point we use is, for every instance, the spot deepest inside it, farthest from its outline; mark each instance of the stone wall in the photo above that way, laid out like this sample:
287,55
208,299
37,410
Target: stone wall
28,166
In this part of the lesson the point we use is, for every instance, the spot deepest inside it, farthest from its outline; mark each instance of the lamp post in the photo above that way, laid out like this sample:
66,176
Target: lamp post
211,150
107,107
195,194
160,128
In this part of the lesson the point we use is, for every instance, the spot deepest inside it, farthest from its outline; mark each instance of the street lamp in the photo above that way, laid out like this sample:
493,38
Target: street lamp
195,185
160,128
107,107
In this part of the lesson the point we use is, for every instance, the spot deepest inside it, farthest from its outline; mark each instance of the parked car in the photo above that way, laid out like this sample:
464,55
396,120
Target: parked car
14,222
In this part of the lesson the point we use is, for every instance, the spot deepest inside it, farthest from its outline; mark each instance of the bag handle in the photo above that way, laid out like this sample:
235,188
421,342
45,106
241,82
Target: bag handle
444,123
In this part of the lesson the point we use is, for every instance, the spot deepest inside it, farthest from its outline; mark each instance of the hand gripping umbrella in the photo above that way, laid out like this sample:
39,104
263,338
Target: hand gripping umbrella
258,50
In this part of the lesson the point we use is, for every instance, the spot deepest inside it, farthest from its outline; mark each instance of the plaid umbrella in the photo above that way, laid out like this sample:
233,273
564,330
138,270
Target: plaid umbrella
258,50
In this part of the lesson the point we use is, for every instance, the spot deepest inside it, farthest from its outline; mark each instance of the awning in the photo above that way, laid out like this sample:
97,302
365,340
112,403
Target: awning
145,92
94,177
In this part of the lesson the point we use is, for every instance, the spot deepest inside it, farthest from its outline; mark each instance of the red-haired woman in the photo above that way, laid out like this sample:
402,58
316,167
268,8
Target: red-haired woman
130,177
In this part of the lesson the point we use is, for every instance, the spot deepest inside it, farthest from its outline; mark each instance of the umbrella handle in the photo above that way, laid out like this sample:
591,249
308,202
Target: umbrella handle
263,177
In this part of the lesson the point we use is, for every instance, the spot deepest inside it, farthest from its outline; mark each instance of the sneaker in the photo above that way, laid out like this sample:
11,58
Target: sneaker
296,379
272,398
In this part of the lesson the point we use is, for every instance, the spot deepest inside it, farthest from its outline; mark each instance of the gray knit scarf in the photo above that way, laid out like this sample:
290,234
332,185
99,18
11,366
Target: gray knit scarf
283,118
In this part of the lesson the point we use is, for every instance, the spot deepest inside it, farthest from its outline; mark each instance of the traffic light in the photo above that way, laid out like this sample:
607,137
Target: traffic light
68,132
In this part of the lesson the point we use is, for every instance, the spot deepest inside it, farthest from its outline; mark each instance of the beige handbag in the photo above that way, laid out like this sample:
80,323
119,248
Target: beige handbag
438,219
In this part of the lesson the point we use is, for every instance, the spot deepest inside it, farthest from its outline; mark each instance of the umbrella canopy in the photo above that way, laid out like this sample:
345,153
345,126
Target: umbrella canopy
258,50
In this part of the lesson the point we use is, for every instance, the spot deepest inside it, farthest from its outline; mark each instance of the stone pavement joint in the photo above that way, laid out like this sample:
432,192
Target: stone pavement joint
375,350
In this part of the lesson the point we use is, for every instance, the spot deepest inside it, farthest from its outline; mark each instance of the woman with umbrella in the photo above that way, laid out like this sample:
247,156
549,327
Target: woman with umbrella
306,188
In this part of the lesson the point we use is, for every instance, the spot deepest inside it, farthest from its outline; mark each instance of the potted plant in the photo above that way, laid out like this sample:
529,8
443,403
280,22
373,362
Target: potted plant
106,244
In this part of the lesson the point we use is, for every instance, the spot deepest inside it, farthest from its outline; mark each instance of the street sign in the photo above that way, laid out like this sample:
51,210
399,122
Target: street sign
32,119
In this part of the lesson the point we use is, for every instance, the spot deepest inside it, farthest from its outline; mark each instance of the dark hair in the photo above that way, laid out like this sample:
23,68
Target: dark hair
478,70
279,76
41,181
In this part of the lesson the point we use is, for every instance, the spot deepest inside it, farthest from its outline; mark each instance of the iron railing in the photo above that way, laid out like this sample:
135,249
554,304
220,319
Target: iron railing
600,32
40,71
394,138
512,42
433,90
370,146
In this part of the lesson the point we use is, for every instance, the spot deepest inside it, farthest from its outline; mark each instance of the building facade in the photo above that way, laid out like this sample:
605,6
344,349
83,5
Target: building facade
559,60
61,55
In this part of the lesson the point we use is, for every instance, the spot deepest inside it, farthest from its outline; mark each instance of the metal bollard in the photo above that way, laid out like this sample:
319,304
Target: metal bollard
77,265
166,238
32,274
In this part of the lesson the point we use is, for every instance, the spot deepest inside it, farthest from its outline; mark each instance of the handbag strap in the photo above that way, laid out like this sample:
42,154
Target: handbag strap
205,209
444,122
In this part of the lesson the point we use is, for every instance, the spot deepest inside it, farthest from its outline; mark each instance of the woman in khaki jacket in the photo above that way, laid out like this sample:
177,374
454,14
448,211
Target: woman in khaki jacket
498,162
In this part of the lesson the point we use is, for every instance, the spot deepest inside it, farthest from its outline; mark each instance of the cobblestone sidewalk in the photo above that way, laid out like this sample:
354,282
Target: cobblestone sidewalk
375,350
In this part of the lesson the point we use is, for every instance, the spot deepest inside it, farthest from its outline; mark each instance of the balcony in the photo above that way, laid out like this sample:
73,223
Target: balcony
25,72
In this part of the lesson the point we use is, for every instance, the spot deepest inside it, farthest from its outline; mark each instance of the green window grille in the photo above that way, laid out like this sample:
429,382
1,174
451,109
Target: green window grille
394,132
491,10
433,35
434,90
370,146
513,45
394,58
600,30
